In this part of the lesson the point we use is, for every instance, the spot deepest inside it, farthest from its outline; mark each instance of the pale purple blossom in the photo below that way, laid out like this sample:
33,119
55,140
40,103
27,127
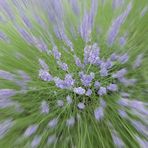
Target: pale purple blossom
123,58
117,140
26,20
44,75
26,35
40,44
97,84
88,92
4,37
62,65
6,93
116,24
125,95
69,100
69,81
56,53
138,61
78,62
44,107
5,126
43,65
103,72
53,123
99,113
94,54
31,130
144,11
122,41
75,6
142,142
140,127
117,3
112,87
87,79
123,102
36,141
102,91
122,113
102,103
79,90
70,122
120,73
113,57
81,105
127,82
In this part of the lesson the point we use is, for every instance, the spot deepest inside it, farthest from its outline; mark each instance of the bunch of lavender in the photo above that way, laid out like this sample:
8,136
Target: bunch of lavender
73,73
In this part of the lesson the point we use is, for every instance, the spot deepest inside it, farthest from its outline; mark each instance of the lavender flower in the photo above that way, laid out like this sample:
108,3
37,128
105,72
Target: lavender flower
112,87
88,92
78,62
69,100
43,65
103,72
102,91
44,75
84,73
36,141
122,113
99,113
97,84
123,58
117,140
31,130
122,41
63,66
120,73
44,107
6,93
138,61
116,24
81,105
70,122
79,90
5,126
102,103
53,123
86,79
56,53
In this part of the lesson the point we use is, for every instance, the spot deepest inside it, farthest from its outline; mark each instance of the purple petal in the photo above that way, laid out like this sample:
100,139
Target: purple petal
81,105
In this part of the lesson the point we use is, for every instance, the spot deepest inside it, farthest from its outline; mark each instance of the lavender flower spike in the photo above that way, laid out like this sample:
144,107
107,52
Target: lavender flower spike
102,91
99,113
53,123
44,75
81,105
44,107
6,75
69,99
70,122
36,141
30,130
116,24
79,90
6,93
112,87
138,61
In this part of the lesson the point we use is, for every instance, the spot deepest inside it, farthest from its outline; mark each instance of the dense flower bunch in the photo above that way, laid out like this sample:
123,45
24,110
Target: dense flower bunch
63,87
